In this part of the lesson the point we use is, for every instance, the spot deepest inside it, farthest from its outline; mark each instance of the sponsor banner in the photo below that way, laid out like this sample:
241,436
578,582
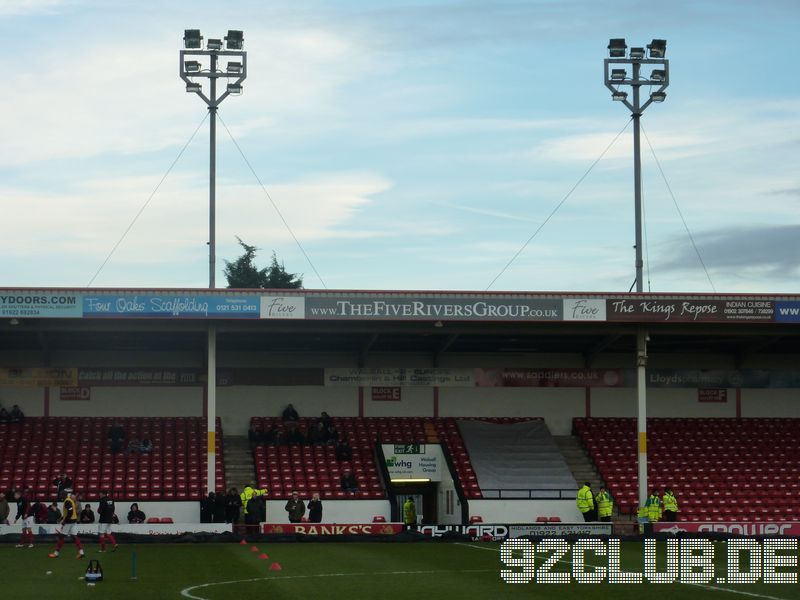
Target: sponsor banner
386,394
431,308
710,378
414,461
789,528
72,393
682,311
787,312
283,307
333,528
40,305
109,376
476,530
39,377
186,306
567,377
584,309
394,377
559,529
141,528
713,395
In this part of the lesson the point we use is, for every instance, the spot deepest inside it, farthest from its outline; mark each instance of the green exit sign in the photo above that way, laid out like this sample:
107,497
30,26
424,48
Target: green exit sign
409,449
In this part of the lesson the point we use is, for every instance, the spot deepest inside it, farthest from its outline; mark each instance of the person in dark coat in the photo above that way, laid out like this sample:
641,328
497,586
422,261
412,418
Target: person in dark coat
219,508
53,513
63,484
135,515
343,450
296,508
207,508
116,436
295,436
233,504
349,482
315,509
16,416
290,414
87,515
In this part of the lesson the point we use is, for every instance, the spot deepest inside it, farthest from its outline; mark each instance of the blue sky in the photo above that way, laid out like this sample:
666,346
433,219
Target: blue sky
411,145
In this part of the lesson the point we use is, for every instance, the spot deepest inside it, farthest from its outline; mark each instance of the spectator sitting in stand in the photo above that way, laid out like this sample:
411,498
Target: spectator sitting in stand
290,414
135,515
116,435
295,436
343,450
87,515
4,416
317,435
16,416
63,484
134,446
326,419
4,509
268,436
333,434
53,513
349,483
40,512
146,447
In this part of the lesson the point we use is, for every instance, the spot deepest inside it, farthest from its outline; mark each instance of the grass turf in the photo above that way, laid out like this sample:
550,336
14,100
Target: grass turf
329,570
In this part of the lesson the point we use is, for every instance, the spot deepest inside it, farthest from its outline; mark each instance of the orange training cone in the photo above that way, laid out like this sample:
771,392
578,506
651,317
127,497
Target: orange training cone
263,556
243,542
275,567
253,548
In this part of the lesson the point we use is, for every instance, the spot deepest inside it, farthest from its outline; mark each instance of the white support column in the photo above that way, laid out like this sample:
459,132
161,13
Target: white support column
211,425
641,389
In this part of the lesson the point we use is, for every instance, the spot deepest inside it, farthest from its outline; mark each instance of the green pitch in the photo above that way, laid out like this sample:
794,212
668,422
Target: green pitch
325,570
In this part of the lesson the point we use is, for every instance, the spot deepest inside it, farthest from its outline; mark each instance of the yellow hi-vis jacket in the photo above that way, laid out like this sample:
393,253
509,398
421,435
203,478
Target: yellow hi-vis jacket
585,500
653,506
409,512
248,494
605,505
670,502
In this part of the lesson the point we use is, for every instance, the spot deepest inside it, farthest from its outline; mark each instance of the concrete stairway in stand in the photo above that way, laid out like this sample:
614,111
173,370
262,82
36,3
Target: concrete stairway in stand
578,461
239,466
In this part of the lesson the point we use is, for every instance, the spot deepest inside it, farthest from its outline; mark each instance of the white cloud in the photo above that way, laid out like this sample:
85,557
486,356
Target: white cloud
14,8
79,227
127,97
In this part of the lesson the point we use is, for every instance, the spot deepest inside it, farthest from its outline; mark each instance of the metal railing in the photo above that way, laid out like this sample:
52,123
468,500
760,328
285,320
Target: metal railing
529,494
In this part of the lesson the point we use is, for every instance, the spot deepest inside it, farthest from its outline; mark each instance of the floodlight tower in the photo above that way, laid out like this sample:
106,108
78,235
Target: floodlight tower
207,67
615,78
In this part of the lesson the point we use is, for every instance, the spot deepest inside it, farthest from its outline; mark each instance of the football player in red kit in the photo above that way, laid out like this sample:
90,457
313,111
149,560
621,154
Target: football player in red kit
25,512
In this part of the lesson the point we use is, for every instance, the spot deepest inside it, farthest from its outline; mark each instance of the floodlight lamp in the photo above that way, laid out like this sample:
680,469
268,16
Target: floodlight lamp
234,67
234,88
658,75
617,47
637,53
194,87
234,40
657,48
191,66
214,44
618,74
658,96
192,38
619,96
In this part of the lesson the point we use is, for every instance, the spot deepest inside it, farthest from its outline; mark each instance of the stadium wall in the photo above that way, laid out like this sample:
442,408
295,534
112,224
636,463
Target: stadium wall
524,511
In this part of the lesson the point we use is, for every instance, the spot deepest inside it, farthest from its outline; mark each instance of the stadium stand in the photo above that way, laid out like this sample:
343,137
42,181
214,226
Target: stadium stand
308,468
35,452
721,469
514,459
